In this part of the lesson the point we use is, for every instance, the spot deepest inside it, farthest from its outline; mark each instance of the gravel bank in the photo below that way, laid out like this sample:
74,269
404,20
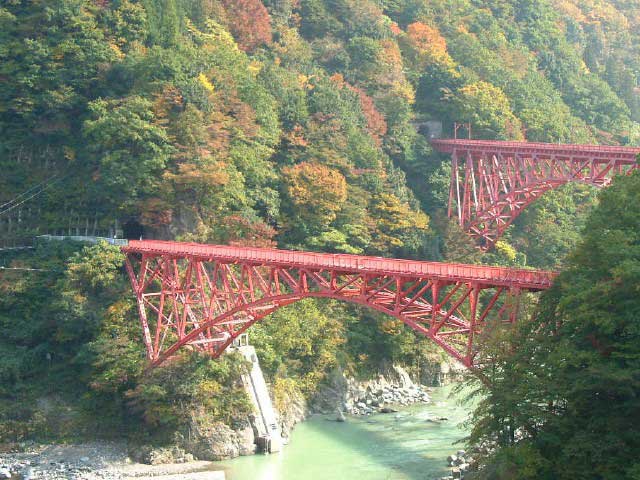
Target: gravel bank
94,461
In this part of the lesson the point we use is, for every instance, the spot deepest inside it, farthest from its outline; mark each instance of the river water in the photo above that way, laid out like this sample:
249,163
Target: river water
402,446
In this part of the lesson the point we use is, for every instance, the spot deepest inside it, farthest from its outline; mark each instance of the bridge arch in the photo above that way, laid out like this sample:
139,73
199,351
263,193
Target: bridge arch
205,296
249,315
492,182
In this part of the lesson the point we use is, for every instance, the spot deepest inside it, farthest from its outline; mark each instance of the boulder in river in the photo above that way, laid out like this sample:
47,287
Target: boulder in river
388,410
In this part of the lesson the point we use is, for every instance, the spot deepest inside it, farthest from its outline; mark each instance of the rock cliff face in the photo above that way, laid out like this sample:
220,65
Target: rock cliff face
203,441
295,411
220,442
441,373
392,386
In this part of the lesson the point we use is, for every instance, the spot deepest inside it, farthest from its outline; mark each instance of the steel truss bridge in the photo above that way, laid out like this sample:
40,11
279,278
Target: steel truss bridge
492,182
204,296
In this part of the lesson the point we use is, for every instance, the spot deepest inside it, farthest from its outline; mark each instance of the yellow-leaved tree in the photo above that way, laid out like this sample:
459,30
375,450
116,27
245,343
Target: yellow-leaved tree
316,193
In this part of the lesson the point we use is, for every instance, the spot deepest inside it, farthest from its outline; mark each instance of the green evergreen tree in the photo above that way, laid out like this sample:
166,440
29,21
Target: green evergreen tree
563,397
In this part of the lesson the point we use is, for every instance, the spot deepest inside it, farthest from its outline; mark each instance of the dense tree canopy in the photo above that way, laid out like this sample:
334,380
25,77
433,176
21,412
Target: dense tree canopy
563,394
189,116
300,124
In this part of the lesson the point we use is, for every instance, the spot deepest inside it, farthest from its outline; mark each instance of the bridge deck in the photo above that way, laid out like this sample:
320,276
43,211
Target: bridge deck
448,272
599,152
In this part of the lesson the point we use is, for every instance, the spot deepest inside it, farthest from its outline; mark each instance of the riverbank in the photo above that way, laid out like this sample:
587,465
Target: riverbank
94,461
411,444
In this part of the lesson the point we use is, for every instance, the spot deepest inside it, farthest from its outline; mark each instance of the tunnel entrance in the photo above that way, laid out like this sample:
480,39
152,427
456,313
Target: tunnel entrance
132,229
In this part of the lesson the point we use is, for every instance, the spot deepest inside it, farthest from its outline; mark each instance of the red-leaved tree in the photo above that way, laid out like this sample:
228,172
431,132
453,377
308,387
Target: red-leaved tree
249,23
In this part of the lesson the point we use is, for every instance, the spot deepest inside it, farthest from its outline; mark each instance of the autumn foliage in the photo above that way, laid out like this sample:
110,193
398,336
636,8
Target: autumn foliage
316,190
376,124
298,124
249,22
427,43
240,231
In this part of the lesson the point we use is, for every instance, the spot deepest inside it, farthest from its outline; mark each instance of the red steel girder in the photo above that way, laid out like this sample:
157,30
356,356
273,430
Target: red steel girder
203,296
492,182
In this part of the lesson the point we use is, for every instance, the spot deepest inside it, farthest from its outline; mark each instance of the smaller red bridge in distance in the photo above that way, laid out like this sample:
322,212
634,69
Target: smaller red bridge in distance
202,297
492,182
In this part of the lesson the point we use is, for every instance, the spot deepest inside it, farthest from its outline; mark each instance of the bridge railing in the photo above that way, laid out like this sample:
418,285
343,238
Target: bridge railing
627,155
448,271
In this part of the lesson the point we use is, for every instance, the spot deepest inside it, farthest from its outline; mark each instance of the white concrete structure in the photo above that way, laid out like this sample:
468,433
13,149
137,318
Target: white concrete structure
266,418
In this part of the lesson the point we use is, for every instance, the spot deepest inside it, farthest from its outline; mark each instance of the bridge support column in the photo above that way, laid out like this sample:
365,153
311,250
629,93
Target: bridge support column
142,311
266,420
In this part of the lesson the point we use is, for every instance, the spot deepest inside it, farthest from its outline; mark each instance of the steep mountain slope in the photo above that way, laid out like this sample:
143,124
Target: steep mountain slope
292,121
296,123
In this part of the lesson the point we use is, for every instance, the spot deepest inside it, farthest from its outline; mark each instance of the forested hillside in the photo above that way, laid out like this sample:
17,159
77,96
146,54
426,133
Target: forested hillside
297,122
290,123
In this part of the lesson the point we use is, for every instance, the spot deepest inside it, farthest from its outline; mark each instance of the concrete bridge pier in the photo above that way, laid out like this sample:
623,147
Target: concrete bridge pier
269,438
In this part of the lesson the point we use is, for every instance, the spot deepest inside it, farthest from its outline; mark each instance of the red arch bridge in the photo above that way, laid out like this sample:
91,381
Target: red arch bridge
204,296
492,182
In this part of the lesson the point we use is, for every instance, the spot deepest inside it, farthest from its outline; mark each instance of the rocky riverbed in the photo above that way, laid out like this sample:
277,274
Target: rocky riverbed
93,461
382,399
460,463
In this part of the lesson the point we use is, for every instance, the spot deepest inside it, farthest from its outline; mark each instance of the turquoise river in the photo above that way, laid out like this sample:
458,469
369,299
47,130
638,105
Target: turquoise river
407,445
